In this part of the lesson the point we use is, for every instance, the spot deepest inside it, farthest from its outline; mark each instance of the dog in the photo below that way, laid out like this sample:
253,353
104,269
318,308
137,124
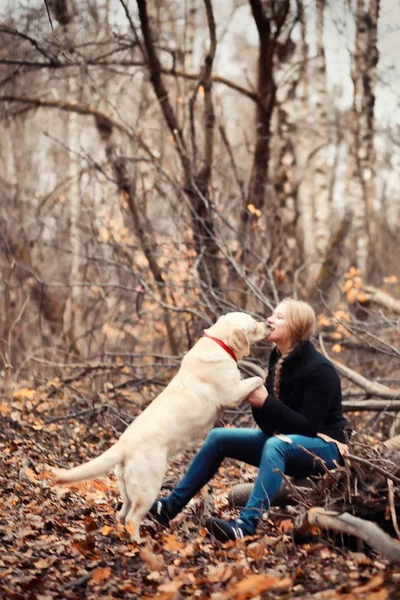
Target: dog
208,380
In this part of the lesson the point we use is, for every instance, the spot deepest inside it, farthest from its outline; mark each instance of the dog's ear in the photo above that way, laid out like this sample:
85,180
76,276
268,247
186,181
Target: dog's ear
239,341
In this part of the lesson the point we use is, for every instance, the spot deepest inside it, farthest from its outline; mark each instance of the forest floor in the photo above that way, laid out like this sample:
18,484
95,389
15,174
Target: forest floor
63,541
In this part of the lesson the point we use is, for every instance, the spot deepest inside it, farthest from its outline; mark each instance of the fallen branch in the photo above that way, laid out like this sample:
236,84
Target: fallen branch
382,298
371,387
345,523
371,405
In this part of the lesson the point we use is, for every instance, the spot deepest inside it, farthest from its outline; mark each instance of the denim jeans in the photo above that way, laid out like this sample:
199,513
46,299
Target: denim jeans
269,454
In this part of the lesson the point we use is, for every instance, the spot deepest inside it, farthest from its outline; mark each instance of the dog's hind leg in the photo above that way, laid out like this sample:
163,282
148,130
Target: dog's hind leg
126,503
143,480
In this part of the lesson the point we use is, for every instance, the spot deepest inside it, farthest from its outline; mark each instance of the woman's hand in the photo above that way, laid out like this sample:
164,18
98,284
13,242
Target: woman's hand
258,397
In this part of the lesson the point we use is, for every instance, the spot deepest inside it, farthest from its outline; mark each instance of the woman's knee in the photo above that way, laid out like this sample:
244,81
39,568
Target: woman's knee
277,445
215,437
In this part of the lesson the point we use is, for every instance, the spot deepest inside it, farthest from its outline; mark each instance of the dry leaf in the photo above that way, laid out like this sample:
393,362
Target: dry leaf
100,574
27,393
31,475
153,561
42,563
256,550
337,348
172,543
253,586
285,525
3,408
105,530
130,528
221,572
171,586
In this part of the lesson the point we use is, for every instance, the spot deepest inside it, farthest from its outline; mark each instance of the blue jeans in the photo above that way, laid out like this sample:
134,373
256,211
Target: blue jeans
269,454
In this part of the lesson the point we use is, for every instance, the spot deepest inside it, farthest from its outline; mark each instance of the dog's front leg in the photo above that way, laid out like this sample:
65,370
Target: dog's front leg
244,389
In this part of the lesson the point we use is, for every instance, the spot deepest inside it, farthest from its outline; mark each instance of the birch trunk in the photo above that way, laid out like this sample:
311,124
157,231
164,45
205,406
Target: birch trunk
319,151
361,186
303,145
74,86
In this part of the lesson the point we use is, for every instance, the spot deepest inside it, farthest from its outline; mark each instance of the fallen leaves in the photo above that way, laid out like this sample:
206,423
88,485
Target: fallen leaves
153,561
252,586
100,574
64,541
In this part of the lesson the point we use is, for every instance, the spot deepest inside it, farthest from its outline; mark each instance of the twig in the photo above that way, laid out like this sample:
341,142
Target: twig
54,33
392,507
374,467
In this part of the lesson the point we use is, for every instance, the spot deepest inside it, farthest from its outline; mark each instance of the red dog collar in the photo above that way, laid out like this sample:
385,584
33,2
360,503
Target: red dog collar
223,345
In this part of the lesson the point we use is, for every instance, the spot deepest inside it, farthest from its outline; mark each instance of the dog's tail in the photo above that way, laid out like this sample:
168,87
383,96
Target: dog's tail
92,469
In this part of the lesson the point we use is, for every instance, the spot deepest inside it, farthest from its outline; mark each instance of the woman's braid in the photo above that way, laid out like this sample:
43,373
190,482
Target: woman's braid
278,371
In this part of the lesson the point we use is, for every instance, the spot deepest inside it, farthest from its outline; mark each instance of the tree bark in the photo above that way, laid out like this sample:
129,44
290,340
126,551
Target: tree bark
361,173
319,152
196,184
348,524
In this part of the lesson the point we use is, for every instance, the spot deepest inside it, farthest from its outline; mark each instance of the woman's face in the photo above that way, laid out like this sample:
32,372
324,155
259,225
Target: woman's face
280,334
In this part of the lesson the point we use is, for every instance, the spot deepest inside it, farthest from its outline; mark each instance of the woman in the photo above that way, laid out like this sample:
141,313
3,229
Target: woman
303,400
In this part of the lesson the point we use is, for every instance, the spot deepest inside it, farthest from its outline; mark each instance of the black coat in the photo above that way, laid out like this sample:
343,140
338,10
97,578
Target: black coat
310,396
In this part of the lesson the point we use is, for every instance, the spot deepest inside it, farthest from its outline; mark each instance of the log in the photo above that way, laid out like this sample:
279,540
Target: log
393,443
240,493
345,523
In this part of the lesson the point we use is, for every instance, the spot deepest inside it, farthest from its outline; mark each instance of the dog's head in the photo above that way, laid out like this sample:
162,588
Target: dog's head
239,331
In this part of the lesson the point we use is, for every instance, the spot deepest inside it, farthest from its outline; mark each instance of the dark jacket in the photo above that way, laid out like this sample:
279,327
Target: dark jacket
310,396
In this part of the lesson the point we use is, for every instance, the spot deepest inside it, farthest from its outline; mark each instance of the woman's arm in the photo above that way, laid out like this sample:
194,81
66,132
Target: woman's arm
321,388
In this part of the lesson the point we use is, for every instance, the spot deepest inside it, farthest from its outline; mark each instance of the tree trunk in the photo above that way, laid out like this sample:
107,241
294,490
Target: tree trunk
196,184
303,151
319,152
361,184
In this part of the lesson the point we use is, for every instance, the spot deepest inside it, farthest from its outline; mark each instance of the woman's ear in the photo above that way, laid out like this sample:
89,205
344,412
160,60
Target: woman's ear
238,340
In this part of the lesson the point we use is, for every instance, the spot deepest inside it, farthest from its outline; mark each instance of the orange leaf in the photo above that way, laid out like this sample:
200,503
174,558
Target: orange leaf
337,348
323,321
256,550
130,528
348,285
3,408
24,393
105,530
171,586
352,295
391,279
221,572
100,574
31,475
153,562
285,525
172,543
254,585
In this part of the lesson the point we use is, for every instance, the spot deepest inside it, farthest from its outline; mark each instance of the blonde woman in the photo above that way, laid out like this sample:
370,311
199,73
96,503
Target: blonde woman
302,400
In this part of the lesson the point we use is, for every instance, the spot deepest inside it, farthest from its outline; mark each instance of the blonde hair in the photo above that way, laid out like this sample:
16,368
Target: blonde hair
300,319
301,322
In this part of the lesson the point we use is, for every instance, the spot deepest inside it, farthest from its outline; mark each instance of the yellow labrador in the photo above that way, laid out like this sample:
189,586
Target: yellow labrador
208,380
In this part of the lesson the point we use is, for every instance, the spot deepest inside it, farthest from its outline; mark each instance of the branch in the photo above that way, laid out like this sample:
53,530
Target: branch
371,388
367,531
160,89
371,405
32,41
81,109
382,298
33,64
